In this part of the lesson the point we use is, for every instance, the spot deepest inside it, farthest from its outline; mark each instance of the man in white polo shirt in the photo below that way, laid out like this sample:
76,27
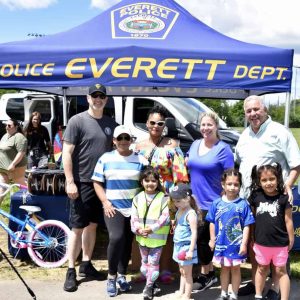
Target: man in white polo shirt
265,142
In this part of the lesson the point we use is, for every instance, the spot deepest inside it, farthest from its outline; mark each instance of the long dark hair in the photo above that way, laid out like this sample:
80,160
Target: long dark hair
30,128
274,168
150,171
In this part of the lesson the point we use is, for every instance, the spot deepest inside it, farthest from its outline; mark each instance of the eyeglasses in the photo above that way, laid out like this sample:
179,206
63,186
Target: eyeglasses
158,123
123,137
97,95
9,125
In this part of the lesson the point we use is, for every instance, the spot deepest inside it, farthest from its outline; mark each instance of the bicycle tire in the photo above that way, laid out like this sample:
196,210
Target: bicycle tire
52,256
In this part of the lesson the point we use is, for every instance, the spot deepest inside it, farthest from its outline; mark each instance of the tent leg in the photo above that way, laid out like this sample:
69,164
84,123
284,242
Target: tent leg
287,110
65,115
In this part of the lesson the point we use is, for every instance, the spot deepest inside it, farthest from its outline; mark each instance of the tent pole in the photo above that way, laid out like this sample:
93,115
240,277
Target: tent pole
287,110
65,115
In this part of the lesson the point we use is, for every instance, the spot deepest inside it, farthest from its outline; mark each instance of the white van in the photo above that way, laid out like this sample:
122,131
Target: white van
182,121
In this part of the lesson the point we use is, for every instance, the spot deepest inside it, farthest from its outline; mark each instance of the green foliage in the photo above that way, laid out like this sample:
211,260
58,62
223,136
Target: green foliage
295,263
237,114
233,115
221,107
5,91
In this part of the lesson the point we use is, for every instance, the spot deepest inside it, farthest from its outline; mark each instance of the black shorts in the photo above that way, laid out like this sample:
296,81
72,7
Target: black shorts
205,254
87,208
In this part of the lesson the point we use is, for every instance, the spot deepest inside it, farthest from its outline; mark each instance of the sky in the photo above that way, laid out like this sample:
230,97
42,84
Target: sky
273,23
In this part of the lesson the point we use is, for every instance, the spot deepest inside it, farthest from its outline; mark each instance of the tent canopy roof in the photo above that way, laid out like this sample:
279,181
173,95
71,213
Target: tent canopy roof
139,48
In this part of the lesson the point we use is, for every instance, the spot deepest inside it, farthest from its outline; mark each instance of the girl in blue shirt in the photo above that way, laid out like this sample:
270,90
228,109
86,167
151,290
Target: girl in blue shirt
230,218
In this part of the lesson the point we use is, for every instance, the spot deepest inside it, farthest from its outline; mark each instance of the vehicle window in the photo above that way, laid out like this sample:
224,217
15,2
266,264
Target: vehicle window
176,130
15,108
44,108
192,114
141,109
79,104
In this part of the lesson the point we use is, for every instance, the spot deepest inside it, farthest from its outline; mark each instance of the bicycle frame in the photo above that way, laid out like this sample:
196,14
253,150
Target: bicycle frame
27,224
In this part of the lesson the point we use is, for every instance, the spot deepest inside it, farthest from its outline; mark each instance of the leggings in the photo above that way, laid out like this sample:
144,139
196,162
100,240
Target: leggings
120,242
150,263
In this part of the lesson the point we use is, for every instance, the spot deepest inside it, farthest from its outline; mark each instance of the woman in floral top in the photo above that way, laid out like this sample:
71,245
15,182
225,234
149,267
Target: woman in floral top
164,154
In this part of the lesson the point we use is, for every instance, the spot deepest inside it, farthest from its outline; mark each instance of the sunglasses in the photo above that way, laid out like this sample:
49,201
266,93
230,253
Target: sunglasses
123,137
97,95
9,126
158,123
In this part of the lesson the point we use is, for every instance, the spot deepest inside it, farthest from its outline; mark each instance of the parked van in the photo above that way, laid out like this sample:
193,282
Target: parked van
182,121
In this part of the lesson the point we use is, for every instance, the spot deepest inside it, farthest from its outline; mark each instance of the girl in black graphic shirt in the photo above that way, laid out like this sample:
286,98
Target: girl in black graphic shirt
274,233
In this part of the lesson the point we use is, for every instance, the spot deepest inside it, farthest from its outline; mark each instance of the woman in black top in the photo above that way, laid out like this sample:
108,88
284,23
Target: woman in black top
39,144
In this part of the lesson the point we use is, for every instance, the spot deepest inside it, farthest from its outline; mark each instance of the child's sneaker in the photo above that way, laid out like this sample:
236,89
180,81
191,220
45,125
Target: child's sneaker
111,287
123,284
148,292
156,289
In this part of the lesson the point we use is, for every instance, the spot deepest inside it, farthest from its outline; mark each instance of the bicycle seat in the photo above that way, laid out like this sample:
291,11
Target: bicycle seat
30,208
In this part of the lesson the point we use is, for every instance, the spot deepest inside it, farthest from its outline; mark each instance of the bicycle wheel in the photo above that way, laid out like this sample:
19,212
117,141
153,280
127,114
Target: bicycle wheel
54,254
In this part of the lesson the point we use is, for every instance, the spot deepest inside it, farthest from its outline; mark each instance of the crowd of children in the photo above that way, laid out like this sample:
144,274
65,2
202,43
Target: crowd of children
265,220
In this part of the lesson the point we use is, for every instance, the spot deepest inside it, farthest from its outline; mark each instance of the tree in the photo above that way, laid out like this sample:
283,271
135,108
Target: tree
221,107
237,114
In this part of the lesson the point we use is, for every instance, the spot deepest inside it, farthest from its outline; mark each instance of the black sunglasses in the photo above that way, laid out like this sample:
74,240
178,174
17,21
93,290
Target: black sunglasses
97,95
123,137
9,126
159,123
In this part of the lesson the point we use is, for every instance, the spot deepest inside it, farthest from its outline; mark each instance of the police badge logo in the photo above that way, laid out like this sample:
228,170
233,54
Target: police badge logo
142,21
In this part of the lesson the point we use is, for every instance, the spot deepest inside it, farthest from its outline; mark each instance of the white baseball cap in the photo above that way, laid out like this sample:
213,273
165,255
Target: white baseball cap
120,130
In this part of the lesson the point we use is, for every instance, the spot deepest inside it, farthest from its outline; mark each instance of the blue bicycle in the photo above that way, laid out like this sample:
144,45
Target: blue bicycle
46,241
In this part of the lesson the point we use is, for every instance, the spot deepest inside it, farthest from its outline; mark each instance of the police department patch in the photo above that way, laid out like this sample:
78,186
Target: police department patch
143,20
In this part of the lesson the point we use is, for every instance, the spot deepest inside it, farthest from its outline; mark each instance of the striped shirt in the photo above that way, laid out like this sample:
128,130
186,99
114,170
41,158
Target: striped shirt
120,177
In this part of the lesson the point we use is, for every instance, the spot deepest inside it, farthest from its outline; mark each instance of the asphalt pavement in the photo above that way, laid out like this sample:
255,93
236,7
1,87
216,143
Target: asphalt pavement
96,290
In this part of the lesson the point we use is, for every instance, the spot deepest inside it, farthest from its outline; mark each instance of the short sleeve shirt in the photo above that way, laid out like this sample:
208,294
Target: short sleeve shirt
92,137
230,218
206,171
270,229
272,143
120,176
9,148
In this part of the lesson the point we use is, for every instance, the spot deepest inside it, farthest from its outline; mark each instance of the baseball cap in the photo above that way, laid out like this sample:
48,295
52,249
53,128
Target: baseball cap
180,191
97,88
121,129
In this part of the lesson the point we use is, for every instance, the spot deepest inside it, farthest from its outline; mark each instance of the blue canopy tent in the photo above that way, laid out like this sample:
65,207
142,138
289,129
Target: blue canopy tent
154,47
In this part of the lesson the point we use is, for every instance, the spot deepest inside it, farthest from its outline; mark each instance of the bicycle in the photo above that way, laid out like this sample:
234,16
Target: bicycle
46,241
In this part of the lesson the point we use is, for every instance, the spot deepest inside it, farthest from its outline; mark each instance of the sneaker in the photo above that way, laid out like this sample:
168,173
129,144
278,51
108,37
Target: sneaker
156,289
272,295
213,279
199,283
86,269
111,287
70,284
203,282
246,290
148,292
123,284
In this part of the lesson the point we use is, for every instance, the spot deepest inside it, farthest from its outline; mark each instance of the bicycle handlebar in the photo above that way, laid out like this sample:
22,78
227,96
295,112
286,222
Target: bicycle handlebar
8,187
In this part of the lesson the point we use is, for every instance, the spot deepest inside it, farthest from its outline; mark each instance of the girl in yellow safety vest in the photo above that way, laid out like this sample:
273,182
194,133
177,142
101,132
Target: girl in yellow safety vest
150,222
